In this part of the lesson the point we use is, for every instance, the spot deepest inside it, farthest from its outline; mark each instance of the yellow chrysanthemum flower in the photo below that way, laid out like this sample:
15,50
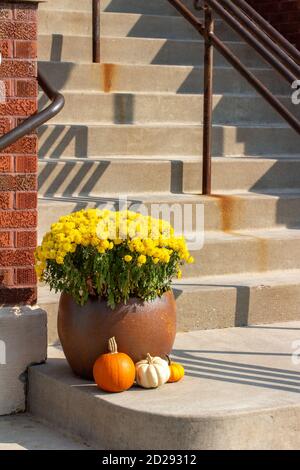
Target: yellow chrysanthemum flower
106,230
142,259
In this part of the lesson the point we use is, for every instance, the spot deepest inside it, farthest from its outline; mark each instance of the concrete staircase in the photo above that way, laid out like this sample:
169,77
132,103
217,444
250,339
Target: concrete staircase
132,125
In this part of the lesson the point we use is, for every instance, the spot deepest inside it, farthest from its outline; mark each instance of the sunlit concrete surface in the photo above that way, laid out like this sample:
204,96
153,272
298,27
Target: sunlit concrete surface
240,391
23,432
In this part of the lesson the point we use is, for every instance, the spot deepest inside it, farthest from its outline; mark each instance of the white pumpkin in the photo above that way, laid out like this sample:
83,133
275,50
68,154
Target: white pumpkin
152,372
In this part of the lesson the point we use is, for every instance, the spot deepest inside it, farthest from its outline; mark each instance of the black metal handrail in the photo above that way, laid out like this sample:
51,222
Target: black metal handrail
268,42
36,120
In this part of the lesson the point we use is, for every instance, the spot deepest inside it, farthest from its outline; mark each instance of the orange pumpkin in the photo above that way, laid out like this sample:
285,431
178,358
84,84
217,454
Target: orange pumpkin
114,371
176,371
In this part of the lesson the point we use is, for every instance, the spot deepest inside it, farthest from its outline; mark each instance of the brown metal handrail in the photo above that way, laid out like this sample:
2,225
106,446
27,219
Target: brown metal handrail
268,43
256,38
273,33
96,30
262,37
36,120
264,26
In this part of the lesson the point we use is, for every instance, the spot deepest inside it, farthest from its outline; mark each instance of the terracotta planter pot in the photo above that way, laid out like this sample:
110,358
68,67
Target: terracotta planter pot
139,327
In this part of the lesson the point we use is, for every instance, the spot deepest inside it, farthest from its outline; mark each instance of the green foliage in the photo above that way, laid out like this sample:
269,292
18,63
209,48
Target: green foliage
88,272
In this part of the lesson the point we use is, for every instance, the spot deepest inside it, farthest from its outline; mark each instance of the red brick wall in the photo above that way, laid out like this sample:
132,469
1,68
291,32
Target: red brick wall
18,163
284,15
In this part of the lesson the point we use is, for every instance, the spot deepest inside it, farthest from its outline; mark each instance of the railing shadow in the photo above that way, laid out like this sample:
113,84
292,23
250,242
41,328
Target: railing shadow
200,366
56,140
56,48
77,177
124,108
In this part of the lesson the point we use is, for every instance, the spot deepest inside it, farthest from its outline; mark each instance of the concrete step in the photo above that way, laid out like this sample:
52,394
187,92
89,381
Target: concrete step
211,302
225,212
139,78
81,140
65,22
60,48
117,176
138,51
70,23
127,108
170,52
155,7
246,251
73,76
256,407
156,26
26,432
72,5
236,300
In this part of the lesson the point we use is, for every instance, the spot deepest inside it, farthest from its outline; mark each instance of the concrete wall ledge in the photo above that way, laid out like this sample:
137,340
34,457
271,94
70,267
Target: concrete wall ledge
23,341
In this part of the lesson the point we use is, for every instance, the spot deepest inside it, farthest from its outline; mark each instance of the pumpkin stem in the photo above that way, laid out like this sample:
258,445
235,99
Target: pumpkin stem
112,345
169,360
149,358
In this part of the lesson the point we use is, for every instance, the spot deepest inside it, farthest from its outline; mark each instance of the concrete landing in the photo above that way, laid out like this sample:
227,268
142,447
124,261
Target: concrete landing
241,391
24,432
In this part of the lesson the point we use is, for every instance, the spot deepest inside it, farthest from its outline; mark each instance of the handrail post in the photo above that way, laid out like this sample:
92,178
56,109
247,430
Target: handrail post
96,31
208,101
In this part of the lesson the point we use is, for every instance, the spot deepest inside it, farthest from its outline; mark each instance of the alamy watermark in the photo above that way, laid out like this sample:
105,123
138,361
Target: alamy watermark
296,93
2,353
187,219
2,91
296,352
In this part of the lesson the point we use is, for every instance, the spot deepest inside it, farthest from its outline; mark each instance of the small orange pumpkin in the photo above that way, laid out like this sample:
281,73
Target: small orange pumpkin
176,371
114,371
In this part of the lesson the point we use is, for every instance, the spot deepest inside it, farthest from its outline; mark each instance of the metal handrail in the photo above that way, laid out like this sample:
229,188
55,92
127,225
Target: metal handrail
245,28
36,120
283,58
96,30
273,33
265,26
262,37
